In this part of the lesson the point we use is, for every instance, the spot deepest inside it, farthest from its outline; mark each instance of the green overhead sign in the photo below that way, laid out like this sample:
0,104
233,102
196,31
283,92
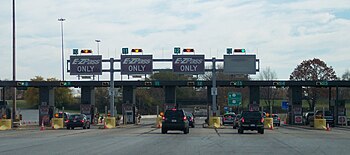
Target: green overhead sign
234,98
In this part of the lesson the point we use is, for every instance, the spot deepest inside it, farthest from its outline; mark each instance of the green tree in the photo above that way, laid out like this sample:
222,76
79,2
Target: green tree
314,69
63,95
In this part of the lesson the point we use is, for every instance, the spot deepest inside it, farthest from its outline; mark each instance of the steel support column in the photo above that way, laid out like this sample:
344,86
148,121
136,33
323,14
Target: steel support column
254,98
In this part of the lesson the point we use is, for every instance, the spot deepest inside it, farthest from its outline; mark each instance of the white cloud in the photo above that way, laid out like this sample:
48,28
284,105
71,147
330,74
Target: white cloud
284,33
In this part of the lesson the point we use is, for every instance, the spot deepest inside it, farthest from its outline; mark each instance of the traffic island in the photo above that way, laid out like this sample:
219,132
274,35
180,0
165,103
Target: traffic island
214,122
268,123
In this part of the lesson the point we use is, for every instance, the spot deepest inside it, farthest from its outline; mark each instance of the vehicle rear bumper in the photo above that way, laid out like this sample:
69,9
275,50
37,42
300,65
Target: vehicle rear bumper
174,126
75,124
252,127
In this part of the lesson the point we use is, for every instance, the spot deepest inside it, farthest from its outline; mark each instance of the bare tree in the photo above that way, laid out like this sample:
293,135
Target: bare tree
268,93
314,69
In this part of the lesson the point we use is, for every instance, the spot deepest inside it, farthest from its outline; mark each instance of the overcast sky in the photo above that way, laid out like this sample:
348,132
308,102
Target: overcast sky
282,33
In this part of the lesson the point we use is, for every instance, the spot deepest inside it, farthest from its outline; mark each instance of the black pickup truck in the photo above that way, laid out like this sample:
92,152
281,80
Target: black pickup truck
251,120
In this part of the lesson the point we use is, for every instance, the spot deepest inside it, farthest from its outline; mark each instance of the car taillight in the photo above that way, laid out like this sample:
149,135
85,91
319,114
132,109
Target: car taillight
262,120
242,119
67,121
163,118
279,118
185,118
191,119
224,118
82,121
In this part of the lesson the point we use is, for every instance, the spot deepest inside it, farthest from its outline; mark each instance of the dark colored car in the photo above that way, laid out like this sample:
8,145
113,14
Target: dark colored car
228,118
235,123
78,120
251,120
307,117
175,119
276,120
190,119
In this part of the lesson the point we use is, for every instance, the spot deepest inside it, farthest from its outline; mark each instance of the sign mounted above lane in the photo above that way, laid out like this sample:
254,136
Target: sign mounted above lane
188,64
86,65
136,64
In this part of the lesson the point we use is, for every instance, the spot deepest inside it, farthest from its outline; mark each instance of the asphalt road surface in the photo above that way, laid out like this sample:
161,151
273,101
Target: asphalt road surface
146,140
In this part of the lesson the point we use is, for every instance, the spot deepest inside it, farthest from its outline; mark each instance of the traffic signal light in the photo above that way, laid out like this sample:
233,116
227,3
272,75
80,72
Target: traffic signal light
190,83
148,83
86,51
239,50
136,50
125,50
22,83
177,50
64,83
188,50
105,83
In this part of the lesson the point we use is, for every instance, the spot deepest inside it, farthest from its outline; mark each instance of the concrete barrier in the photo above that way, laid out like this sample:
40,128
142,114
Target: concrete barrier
268,123
5,124
320,124
110,122
57,123
214,122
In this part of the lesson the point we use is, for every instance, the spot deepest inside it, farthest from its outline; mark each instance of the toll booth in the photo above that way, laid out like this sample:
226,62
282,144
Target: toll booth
44,114
129,113
88,110
295,110
337,107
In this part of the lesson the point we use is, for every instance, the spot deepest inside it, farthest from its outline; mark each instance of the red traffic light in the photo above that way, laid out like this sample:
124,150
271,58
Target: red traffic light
136,50
188,50
86,51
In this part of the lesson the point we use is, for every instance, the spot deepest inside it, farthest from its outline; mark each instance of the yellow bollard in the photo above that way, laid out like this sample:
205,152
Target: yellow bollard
5,124
110,122
159,122
320,124
268,123
214,122
57,123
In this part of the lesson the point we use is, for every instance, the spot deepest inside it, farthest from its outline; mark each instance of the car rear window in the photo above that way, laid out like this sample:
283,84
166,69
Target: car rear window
229,115
251,114
75,116
174,113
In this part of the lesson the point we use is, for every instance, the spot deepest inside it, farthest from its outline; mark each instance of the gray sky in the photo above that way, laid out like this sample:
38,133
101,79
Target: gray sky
282,33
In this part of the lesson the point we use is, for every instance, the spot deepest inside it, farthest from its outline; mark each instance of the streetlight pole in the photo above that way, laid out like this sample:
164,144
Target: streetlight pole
62,20
98,53
14,61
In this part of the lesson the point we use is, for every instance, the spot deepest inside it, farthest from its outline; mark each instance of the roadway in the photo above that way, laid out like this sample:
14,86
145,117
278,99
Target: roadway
144,139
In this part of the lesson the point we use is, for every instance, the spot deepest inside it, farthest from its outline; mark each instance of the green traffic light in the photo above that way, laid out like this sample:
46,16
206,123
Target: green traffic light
243,50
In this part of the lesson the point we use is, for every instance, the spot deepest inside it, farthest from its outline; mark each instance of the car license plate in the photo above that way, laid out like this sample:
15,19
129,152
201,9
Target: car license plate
173,120
75,121
252,124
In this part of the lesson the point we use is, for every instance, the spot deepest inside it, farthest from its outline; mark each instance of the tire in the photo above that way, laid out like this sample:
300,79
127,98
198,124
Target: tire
261,130
192,126
88,127
164,131
186,130
68,128
72,128
240,131
234,127
84,127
